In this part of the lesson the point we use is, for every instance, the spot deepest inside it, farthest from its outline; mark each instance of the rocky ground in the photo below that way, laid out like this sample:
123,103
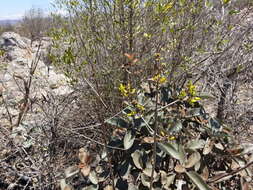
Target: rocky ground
26,85
15,69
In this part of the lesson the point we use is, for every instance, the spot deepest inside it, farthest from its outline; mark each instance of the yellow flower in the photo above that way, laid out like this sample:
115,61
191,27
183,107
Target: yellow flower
126,90
132,113
191,89
160,79
162,134
140,107
182,94
146,35
171,138
122,89
168,6
157,54
193,100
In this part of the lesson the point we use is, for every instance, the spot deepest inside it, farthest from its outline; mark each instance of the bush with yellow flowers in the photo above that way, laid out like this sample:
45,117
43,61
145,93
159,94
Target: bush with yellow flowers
166,139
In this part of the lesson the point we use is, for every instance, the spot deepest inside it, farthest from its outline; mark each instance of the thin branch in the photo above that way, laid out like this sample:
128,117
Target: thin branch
155,138
231,173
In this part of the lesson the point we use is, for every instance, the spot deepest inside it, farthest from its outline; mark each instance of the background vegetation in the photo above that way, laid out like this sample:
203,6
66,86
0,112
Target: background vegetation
143,72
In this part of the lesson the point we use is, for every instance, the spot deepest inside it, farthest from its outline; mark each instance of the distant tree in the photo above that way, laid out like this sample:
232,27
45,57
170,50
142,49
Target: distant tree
6,27
34,24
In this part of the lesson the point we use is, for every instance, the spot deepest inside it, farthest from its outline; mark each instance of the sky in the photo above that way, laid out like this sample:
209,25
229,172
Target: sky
15,9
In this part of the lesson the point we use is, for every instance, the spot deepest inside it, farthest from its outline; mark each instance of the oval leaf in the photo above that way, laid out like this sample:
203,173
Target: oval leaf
117,121
169,149
86,170
193,159
196,144
176,127
129,139
205,174
197,180
145,180
179,168
136,156
93,178
208,146
170,179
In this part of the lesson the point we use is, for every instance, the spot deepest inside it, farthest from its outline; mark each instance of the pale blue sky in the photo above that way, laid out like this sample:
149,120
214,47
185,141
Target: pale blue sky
14,9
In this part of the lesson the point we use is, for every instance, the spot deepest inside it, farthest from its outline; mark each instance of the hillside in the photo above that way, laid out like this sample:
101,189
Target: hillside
11,22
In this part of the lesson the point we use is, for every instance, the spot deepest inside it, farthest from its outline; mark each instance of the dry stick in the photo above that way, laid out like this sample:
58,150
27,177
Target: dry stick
94,90
168,105
231,173
155,139
8,112
27,85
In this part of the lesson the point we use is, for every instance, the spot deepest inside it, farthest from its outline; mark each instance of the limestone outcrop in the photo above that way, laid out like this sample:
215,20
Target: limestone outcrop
16,63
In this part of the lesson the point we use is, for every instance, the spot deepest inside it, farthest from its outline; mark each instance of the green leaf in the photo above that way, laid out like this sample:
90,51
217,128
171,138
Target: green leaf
226,1
136,156
195,112
197,180
145,180
208,4
215,125
117,121
132,187
93,178
166,94
124,168
121,183
195,144
176,127
232,12
91,187
167,179
169,149
148,172
129,139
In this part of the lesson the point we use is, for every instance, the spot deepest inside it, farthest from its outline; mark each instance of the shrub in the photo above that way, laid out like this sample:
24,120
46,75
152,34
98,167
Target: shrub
164,139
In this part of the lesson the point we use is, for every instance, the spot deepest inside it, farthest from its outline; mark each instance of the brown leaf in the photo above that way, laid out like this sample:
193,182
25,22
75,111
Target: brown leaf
85,170
84,156
234,165
148,139
205,174
135,60
129,56
208,147
193,159
108,187
179,168
235,151
246,186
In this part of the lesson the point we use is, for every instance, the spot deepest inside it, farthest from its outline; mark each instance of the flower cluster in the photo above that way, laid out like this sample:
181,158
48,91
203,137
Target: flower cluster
191,92
168,137
160,79
126,90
